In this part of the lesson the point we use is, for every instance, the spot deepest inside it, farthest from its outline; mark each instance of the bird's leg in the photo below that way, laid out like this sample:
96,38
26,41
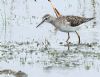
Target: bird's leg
68,45
78,37
55,30
68,38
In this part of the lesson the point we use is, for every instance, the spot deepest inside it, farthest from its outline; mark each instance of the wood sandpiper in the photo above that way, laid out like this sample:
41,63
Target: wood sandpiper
65,23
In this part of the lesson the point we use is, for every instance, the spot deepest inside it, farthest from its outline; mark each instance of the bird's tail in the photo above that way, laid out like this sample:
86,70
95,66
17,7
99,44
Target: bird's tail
89,19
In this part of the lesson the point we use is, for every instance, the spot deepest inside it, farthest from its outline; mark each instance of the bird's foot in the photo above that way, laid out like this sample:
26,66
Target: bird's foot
79,43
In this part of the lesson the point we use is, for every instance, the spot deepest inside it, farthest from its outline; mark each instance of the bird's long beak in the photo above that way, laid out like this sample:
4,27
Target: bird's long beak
41,23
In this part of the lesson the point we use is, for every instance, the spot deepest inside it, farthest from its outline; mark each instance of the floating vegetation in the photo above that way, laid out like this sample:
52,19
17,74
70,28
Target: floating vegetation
27,53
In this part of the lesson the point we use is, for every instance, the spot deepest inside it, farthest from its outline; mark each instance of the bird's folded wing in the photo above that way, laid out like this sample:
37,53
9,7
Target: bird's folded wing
75,20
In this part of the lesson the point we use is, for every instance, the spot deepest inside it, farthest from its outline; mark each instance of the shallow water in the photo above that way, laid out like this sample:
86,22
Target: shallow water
50,61
43,52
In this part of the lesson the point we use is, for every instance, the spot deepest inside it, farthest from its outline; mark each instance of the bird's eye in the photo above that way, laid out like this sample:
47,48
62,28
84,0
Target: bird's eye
46,18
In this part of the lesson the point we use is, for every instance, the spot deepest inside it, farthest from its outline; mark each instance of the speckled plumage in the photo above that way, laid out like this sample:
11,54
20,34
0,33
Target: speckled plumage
73,20
76,20
65,23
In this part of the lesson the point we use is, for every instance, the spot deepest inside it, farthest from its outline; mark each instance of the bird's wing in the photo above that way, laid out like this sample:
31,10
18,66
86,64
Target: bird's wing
75,20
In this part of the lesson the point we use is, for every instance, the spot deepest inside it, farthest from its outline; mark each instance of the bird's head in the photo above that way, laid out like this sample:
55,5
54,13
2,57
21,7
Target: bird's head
46,18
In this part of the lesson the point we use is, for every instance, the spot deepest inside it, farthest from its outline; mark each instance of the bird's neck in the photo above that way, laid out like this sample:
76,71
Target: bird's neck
52,20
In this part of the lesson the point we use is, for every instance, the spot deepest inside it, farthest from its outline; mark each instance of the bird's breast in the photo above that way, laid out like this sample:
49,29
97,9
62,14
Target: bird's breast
67,28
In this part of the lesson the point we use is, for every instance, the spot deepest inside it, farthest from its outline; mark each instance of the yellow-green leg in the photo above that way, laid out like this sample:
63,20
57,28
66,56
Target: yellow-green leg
78,37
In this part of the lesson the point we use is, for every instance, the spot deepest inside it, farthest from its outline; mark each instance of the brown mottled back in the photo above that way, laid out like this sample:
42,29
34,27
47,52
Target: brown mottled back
76,20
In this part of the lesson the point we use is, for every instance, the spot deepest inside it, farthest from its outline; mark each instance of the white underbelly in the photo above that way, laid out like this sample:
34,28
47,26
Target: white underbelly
69,28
